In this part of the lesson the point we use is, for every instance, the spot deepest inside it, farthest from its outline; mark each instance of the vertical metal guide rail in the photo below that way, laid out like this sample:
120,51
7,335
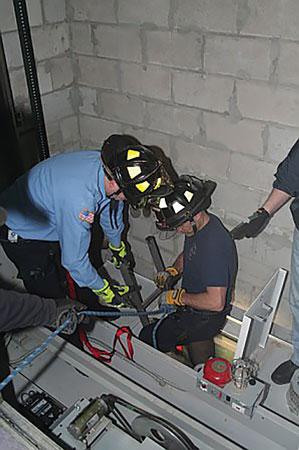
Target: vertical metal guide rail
31,76
130,280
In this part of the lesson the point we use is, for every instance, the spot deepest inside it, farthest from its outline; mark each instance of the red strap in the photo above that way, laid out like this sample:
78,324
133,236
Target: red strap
102,355
71,286
105,355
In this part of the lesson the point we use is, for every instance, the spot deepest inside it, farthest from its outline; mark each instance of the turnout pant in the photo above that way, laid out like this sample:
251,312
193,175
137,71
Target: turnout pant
183,327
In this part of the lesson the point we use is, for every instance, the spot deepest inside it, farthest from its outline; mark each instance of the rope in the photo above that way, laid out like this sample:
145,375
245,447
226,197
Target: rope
164,309
156,329
33,355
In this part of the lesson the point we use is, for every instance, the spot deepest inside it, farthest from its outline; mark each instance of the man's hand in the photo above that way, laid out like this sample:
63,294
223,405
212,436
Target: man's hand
68,309
257,222
119,254
165,279
174,297
113,295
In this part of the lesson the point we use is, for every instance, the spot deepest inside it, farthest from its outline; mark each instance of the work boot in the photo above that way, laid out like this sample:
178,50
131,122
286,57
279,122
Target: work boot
284,372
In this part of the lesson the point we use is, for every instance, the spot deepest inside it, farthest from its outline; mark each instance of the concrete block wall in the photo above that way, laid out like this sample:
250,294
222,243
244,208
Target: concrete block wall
215,84
50,32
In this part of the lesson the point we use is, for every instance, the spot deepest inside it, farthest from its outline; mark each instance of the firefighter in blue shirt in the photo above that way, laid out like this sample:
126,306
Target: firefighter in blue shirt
58,200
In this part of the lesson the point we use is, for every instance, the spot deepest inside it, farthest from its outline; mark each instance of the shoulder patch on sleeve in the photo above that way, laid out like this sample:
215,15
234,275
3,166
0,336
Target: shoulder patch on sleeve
86,215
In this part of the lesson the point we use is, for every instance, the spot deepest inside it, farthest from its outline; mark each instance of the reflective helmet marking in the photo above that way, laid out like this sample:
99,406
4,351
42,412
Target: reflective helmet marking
142,187
177,206
134,171
162,203
189,195
133,154
158,183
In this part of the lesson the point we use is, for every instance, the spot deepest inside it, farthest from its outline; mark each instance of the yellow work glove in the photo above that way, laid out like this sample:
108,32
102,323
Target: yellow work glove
174,297
165,277
113,295
119,254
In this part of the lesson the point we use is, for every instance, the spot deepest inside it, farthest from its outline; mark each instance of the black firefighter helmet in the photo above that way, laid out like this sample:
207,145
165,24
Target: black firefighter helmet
189,196
136,168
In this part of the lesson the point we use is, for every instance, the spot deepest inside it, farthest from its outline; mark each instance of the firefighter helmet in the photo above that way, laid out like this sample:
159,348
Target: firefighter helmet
135,168
189,196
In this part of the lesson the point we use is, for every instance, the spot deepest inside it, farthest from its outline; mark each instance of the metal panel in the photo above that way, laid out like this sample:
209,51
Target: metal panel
258,318
166,381
67,374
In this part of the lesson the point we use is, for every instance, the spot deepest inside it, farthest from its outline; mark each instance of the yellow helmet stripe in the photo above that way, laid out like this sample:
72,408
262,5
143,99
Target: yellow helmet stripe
142,187
158,183
133,154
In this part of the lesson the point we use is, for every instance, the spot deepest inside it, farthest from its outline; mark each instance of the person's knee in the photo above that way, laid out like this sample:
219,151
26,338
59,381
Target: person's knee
156,339
146,335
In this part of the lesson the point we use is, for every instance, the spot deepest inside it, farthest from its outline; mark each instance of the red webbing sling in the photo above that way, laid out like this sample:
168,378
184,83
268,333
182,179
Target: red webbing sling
105,355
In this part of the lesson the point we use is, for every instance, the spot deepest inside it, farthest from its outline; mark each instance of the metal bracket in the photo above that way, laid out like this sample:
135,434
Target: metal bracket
263,314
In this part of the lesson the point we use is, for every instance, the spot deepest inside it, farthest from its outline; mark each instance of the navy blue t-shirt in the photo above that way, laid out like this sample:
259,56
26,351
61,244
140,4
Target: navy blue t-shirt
210,259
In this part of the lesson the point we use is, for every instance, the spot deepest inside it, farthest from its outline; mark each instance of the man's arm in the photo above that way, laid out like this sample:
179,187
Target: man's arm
258,221
113,223
276,199
212,300
20,310
179,263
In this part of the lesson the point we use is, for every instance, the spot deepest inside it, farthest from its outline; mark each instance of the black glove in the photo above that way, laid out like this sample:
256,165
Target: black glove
257,222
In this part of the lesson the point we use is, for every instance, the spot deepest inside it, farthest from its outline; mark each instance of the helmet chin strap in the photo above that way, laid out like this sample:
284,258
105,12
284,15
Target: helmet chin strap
194,226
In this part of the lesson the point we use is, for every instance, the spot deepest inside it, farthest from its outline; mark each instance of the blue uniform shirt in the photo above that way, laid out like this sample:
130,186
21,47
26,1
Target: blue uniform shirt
56,201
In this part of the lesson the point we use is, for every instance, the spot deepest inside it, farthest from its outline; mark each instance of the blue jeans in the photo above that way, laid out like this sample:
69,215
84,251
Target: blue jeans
294,296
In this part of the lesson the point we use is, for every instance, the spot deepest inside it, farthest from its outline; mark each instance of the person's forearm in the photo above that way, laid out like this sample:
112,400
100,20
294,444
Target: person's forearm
20,310
203,301
179,263
275,200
